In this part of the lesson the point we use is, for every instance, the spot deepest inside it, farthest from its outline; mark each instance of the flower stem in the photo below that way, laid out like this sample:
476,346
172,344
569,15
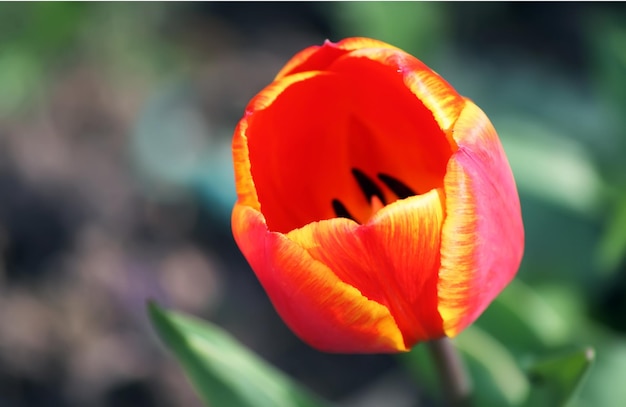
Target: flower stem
453,377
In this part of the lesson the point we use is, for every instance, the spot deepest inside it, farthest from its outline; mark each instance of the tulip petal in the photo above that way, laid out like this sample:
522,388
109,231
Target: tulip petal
399,137
317,57
432,90
355,43
323,126
325,312
435,92
393,259
246,190
405,238
482,238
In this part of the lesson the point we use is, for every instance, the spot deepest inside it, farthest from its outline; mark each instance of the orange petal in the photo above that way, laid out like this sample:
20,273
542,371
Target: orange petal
431,89
482,238
302,131
317,57
321,126
404,238
246,190
393,260
399,136
325,312
355,43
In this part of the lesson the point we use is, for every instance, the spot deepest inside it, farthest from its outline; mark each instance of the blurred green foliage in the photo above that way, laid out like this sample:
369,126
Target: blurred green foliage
39,39
411,26
225,373
30,36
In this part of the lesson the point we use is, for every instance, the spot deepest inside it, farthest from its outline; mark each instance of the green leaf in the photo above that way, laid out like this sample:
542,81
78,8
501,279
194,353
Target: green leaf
223,372
556,379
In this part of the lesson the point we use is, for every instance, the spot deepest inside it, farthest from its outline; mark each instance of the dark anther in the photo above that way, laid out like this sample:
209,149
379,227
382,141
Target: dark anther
340,210
368,186
397,187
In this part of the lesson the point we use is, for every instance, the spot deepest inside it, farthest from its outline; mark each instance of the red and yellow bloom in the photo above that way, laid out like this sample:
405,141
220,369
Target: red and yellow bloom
375,204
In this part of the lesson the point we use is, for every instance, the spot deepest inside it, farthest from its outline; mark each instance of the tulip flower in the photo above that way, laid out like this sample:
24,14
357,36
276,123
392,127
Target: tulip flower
375,204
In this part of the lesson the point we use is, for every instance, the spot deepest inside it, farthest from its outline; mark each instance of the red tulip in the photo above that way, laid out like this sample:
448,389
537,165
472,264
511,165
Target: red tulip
375,204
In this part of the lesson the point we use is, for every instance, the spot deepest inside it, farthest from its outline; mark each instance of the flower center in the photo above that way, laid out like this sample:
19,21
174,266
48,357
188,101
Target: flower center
373,193
329,142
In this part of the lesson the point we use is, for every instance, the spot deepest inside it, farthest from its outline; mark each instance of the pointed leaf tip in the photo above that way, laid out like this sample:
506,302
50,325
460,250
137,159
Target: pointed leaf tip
557,379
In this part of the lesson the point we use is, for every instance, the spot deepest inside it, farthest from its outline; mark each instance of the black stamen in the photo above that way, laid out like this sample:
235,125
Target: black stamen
397,187
340,210
368,186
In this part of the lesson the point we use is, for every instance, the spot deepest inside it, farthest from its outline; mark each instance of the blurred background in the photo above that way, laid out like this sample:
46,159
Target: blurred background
116,187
